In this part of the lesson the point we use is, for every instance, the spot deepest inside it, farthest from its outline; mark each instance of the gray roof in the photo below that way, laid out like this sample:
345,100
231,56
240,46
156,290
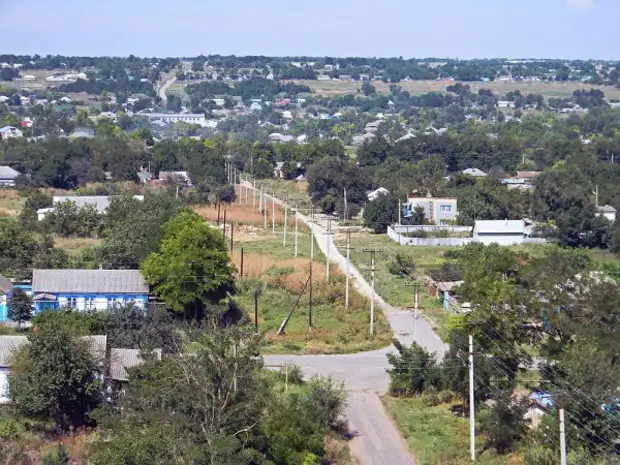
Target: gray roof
606,209
475,172
7,345
89,282
500,226
121,359
97,347
6,286
6,172
100,202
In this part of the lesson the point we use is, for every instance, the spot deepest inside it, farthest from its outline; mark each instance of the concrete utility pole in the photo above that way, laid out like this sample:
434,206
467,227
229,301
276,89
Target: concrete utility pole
398,212
345,204
273,212
372,253
416,300
562,438
472,410
285,223
254,194
328,233
348,272
260,200
246,193
310,300
296,232
264,211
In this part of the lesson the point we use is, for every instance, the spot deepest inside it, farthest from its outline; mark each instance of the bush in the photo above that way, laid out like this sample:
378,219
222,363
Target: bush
294,376
414,370
9,429
402,265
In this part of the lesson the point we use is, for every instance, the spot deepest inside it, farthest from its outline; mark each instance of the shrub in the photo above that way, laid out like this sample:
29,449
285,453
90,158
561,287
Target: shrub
9,429
402,265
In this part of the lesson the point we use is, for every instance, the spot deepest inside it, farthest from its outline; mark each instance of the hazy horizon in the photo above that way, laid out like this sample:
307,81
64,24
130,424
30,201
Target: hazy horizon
528,29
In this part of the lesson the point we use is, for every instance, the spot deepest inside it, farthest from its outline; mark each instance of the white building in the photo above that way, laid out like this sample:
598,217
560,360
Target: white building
191,118
607,211
8,176
377,192
502,232
10,132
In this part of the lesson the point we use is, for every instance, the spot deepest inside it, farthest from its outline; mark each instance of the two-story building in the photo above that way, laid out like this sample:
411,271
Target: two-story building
88,289
437,210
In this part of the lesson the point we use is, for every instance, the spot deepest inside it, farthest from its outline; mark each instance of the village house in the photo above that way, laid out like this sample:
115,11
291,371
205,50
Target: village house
10,132
475,172
6,290
441,211
376,193
175,177
99,202
8,176
88,289
606,211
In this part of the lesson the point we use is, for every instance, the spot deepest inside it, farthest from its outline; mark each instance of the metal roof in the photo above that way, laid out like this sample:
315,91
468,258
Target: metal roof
499,227
605,209
88,282
100,202
6,286
6,172
121,359
96,347
7,345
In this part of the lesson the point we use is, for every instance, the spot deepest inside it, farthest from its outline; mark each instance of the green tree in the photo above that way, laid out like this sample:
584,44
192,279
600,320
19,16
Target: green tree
192,267
504,426
19,306
381,213
414,370
19,248
54,377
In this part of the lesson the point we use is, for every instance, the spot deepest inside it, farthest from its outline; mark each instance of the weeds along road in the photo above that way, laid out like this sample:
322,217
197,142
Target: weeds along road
376,441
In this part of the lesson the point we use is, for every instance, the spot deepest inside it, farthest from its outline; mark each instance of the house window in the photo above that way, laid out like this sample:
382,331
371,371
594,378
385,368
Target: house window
445,208
113,302
89,303
72,302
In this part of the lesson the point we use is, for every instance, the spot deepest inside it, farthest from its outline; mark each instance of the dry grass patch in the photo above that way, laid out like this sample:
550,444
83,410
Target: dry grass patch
74,246
240,214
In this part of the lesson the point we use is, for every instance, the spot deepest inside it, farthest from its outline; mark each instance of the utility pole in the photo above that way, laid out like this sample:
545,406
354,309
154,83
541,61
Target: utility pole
416,303
254,194
260,200
398,212
328,233
345,204
256,311
236,349
372,253
246,193
296,230
311,243
562,438
596,193
264,211
285,221
224,222
348,266
232,233
472,409
310,301
273,212
241,271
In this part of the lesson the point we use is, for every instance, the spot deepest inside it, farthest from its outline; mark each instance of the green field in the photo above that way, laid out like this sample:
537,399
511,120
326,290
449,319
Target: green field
280,277
547,89
395,290
437,436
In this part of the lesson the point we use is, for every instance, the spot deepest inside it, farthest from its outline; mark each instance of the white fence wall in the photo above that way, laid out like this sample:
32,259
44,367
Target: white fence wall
405,229
427,241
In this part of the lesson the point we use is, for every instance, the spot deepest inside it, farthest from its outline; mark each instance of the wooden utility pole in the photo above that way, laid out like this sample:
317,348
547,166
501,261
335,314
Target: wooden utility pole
232,233
241,271
224,222
372,253
256,311
273,212
310,301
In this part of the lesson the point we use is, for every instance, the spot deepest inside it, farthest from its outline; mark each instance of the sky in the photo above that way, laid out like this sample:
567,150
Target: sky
571,29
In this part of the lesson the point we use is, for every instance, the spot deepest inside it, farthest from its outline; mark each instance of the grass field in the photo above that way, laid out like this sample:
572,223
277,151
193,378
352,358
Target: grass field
273,269
74,246
11,203
395,290
547,89
436,436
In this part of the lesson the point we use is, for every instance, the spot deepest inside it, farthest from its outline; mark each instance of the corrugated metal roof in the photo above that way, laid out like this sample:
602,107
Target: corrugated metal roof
88,282
7,345
6,286
100,202
499,226
6,172
96,344
121,359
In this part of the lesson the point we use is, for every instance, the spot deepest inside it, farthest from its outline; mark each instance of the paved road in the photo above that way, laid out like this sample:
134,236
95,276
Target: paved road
377,441
162,90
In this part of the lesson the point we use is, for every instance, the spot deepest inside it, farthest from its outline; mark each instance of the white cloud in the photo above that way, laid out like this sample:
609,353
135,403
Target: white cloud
581,5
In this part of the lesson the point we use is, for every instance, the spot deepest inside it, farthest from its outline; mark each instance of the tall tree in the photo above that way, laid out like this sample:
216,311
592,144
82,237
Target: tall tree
192,267
19,306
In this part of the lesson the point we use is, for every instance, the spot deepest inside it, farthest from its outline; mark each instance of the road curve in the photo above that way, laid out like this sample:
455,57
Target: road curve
377,441
162,90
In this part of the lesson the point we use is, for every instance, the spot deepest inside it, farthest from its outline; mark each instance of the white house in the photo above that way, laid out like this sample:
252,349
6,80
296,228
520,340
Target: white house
606,211
99,202
475,172
502,232
10,132
174,176
191,118
377,192
8,176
